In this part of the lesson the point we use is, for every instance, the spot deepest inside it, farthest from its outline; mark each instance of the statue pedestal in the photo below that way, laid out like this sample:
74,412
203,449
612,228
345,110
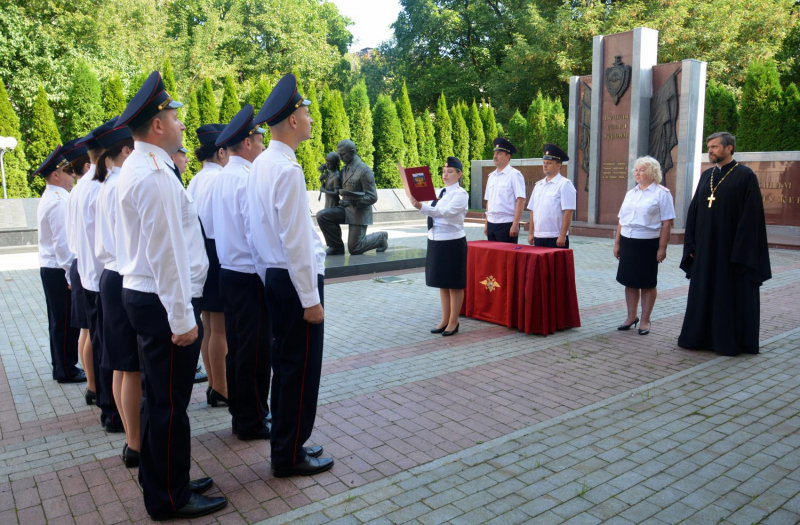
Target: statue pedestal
395,258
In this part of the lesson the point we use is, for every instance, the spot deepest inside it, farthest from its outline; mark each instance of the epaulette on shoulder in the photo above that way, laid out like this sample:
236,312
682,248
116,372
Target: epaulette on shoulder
664,188
154,163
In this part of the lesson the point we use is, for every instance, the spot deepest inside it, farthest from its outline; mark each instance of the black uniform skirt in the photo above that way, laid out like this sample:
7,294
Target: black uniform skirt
78,317
638,267
211,301
446,264
120,349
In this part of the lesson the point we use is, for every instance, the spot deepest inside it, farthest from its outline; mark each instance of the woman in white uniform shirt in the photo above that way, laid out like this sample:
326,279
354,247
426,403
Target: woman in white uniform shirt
446,260
645,221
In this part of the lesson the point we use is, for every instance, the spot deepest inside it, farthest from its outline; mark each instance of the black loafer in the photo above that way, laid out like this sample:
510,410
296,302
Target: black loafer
78,377
90,397
314,452
198,506
198,486
131,457
331,251
254,432
308,467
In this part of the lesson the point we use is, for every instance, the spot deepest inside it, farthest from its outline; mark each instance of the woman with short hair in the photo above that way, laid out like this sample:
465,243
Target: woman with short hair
645,221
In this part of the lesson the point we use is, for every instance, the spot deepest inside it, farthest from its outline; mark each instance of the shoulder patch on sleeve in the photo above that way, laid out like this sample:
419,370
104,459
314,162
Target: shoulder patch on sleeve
153,162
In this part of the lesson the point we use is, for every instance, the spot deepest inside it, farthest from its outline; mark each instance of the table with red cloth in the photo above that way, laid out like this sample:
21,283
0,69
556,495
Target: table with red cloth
526,287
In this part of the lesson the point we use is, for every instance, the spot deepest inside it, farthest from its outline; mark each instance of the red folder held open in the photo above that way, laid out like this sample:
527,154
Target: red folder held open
418,182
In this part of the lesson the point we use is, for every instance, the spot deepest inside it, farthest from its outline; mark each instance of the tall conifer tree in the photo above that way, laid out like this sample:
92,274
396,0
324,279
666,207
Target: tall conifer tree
114,97
16,165
85,101
44,136
360,115
477,139
258,95
431,151
230,101
388,143
136,83
168,76
206,103
460,134
489,129
516,129
721,111
411,152
335,125
190,140
536,129
309,154
444,132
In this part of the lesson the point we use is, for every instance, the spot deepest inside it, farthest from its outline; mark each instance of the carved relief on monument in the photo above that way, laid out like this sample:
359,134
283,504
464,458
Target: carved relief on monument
618,78
664,122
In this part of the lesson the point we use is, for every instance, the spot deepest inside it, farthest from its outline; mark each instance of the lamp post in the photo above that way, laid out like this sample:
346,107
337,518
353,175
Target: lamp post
6,144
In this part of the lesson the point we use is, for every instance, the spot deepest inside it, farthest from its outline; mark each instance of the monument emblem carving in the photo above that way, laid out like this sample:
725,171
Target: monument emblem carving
664,122
586,129
618,78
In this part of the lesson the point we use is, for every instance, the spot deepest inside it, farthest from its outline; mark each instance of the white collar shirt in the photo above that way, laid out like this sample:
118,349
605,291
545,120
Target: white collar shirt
50,214
160,246
448,214
105,244
643,211
282,231
201,187
503,189
231,219
71,217
89,267
549,200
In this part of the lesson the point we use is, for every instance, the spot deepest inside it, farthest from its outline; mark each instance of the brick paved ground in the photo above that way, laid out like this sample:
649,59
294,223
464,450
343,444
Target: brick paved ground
584,426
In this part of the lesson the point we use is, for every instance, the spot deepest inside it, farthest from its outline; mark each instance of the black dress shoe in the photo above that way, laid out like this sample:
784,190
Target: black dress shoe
124,450
200,377
131,457
214,398
439,330
254,432
108,427
90,397
77,377
198,486
314,451
628,326
198,506
307,467
644,332
208,398
446,333
331,251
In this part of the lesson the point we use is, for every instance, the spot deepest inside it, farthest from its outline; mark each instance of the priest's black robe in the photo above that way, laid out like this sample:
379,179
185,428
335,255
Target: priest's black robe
731,261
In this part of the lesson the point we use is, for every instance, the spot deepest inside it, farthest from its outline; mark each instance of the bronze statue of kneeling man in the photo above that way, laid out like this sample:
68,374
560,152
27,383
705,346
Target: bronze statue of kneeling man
354,209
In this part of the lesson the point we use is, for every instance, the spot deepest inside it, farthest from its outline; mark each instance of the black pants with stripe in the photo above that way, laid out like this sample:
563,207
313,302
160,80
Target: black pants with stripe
167,380
103,377
63,338
500,232
248,331
297,366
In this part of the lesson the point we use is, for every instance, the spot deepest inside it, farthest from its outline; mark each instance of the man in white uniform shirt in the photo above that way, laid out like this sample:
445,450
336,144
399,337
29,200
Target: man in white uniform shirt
552,203
505,196
163,264
55,259
247,323
287,244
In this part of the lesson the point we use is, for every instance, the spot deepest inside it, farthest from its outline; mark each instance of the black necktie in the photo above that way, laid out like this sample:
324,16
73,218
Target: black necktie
433,205
177,173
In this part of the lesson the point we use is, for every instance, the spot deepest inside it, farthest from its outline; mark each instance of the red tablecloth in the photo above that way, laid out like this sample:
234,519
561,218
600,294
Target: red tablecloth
524,287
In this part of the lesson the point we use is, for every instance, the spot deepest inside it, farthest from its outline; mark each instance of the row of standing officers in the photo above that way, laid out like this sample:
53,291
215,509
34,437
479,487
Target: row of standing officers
147,256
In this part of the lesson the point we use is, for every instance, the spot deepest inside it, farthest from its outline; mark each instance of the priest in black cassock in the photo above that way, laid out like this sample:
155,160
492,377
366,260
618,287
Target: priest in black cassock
725,255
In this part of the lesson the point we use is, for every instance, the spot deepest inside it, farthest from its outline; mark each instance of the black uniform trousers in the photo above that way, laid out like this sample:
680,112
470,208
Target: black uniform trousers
103,377
63,338
549,242
500,232
297,366
167,379
248,331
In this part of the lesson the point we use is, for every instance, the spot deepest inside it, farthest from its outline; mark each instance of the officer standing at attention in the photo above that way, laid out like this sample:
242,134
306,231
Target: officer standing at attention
163,265
552,203
286,242
247,322
55,259
505,196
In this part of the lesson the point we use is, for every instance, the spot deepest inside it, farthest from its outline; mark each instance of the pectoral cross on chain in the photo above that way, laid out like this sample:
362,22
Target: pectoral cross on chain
711,200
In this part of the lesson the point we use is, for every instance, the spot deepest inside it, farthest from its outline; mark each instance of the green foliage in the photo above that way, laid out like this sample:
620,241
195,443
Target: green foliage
310,153
259,93
85,101
388,143
556,130
762,102
136,83
230,101
443,127
190,140
489,129
316,115
360,116
406,115
721,112
113,98
168,76
791,120
460,135
536,130
207,104
44,137
16,165
429,154
517,129
477,139
335,124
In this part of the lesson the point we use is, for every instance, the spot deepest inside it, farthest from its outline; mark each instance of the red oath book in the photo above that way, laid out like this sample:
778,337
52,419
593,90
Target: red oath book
418,182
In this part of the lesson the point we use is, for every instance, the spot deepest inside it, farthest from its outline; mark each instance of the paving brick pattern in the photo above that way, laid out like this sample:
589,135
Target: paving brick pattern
585,425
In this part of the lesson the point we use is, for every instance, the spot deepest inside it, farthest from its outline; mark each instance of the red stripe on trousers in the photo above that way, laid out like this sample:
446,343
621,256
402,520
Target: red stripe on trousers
169,433
302,387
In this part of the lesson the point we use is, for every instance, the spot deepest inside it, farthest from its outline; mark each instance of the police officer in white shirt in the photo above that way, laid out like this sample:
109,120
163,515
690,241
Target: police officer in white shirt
645,222
552,203
55,259
287,244
163,265
505,196
247,323
89,270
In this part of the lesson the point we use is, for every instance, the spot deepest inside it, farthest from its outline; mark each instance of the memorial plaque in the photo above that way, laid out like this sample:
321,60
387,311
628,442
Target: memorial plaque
615,129
780,189
584,140
531,174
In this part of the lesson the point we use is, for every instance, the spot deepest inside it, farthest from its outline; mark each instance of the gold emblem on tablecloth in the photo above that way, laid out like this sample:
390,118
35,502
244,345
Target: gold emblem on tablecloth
490,283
